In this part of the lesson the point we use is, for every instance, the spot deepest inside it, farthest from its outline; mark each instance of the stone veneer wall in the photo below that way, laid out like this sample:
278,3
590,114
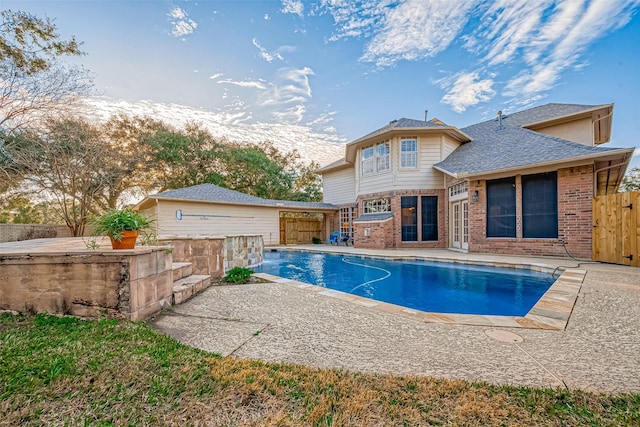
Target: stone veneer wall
575,194
131,284
243,251
214,255
205,253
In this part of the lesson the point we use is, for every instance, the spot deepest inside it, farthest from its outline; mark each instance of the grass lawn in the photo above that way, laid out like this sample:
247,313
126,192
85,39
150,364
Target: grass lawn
66,371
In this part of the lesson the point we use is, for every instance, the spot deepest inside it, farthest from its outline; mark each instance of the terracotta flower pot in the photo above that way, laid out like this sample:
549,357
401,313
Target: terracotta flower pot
128,241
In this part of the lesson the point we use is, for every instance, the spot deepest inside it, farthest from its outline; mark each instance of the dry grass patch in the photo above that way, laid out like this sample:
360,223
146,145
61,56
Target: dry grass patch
65,371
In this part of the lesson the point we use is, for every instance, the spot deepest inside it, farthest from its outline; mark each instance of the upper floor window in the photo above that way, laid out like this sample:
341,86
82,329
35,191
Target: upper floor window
375,158
409,153
367,161
382,156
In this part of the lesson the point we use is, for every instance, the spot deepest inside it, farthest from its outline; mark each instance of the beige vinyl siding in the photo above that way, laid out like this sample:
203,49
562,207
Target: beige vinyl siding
580,131
228,220
425,176
339,187
448,147
422,177
151,214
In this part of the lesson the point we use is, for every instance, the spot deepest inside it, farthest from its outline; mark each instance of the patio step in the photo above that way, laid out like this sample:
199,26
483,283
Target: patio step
187,287
181,270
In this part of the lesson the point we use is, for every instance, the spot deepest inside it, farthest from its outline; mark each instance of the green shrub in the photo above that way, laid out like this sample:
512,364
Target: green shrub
238,275
316,240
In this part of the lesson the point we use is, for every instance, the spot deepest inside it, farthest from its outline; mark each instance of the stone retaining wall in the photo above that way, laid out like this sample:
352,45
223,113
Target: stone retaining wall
131,284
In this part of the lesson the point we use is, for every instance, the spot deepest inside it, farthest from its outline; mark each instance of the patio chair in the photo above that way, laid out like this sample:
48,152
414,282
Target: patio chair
334,238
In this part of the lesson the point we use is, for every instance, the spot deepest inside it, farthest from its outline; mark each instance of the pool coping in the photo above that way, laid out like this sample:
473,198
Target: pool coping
551,312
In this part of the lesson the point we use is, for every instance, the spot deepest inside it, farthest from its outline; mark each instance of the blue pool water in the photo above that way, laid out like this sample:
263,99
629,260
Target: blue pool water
421,285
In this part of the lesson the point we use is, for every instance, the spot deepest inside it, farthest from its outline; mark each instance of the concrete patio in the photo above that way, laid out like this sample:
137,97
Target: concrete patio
598,351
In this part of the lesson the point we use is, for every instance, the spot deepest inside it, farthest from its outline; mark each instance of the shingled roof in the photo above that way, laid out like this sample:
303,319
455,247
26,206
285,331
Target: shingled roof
494,147
215,194
404,123
547,112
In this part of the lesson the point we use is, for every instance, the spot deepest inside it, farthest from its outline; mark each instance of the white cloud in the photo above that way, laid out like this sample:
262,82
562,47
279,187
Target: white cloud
182,24
354,19
636,152
291,85
559,47
245,83
415,29
293,6
264,54
465,90
287,97
292,114
542,38
266,17
215,76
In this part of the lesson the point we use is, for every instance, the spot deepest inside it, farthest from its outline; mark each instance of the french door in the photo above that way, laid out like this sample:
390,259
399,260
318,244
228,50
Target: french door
460,224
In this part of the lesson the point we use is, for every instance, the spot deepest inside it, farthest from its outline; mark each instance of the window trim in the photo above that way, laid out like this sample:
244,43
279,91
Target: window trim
526,216
405,154
379,205
374,162
512,216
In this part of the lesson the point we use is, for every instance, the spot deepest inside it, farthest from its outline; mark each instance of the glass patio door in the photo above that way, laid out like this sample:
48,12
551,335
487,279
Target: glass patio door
460,225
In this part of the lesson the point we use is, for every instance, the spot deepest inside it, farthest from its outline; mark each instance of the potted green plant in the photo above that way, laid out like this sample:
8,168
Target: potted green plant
122,226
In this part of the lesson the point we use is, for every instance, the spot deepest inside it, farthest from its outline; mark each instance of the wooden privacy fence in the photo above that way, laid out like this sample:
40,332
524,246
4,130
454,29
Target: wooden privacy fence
616,228
299,230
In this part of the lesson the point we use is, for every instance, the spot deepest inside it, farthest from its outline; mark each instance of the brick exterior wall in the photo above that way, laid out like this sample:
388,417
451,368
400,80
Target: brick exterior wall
575,194
388,234
380,235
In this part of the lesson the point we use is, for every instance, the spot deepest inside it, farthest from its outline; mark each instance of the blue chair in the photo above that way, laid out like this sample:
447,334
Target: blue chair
334,238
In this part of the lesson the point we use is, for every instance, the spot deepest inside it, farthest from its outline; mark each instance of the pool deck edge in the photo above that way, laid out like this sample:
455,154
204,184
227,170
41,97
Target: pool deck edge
551,312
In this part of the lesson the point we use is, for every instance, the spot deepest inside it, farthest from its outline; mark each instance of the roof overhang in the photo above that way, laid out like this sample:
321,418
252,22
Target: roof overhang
335,166
601,116
616,162
451,131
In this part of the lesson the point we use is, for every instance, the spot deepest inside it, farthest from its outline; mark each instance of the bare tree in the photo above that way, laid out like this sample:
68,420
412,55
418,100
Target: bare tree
32,79
62,164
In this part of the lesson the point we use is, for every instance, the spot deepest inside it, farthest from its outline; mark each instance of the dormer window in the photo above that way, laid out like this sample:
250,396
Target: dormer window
375,158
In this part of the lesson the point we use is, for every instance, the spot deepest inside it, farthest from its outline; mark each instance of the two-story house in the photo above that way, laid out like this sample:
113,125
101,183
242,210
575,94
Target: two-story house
521,183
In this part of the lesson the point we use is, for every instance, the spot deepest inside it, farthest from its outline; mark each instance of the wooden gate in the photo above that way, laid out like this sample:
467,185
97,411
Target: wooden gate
616,228
299,230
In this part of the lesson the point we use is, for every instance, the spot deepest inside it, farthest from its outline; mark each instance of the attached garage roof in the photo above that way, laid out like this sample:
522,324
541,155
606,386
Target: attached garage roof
215,194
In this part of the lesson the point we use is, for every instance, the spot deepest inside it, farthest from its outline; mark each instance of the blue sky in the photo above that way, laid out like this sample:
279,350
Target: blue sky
345,68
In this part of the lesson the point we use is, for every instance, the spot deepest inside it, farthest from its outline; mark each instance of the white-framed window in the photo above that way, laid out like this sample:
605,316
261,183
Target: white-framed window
377,205
459,188
408,153
382,156
367,161
375,158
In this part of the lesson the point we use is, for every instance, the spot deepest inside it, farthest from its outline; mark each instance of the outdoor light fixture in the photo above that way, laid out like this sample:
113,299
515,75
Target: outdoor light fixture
474,198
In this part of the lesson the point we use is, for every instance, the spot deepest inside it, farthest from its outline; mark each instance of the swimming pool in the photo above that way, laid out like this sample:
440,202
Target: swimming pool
421,285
